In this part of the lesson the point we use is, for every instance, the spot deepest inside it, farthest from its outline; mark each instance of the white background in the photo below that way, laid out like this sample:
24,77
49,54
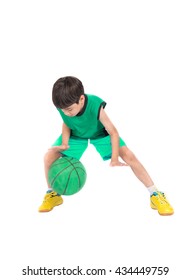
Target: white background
136,56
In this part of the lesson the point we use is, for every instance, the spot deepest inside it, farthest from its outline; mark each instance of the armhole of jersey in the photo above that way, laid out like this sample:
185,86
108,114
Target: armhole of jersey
103,104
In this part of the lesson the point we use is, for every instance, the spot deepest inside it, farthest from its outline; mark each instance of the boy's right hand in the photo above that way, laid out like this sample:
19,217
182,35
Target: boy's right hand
59,148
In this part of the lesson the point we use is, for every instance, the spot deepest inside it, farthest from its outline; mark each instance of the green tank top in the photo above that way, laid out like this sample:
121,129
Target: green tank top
86,124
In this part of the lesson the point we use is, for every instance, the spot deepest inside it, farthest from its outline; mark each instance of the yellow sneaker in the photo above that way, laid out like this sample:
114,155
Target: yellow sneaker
159,202
51,200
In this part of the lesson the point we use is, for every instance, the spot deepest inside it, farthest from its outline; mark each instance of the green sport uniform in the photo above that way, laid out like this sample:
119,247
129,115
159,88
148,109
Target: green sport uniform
86,126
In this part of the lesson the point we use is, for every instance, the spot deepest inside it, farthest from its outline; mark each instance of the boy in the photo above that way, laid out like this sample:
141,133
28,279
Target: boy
84,118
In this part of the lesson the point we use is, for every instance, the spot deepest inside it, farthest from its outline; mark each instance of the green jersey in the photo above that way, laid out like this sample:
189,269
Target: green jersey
86,124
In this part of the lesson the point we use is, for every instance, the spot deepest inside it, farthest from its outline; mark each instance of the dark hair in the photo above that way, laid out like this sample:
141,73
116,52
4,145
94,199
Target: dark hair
67,91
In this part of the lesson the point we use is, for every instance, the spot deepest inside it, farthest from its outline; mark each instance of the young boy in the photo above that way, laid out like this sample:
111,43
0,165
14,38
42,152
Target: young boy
84,118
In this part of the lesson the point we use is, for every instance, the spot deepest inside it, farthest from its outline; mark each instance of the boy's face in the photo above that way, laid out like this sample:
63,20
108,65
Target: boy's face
75,108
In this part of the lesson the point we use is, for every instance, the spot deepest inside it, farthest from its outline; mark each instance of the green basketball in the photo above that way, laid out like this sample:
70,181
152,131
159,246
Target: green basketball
67,175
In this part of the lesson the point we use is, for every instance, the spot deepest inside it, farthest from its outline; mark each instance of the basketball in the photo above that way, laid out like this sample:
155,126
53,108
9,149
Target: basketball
67,176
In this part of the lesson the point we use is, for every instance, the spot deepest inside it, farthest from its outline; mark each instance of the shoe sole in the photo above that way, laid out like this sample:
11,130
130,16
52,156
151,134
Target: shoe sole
48,210
162,214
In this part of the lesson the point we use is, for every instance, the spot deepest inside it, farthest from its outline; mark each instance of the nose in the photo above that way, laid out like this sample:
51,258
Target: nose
69,114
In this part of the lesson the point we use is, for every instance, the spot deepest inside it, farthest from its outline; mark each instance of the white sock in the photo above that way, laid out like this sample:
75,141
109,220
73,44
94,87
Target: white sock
152,189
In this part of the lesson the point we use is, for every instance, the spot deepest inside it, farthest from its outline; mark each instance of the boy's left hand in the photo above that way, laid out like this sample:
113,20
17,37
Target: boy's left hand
117,163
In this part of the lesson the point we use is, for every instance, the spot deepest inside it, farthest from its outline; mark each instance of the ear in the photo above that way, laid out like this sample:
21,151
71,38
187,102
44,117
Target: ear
82,98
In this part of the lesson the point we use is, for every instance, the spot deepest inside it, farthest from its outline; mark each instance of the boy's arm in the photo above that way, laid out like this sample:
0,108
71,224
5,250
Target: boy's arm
111,129
65,134
65,139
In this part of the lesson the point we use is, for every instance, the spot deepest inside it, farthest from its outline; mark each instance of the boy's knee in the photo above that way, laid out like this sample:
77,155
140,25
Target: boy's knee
128,156
46,156
50,156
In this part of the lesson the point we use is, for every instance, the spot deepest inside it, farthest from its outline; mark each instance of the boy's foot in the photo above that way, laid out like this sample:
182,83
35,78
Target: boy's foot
51,200
159,202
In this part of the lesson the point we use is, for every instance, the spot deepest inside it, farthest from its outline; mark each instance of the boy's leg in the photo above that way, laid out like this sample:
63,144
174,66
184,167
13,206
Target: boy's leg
138,169
51,199
158,200
49,158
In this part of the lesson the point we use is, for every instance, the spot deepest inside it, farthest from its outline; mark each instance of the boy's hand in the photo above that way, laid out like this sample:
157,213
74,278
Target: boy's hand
117,163
59,148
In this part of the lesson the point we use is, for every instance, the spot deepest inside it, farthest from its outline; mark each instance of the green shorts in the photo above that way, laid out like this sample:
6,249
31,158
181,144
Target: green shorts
77,146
